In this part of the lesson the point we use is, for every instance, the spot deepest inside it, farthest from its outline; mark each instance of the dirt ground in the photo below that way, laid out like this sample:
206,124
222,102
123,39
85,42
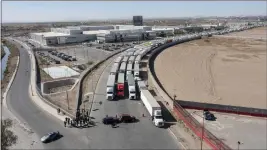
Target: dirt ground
11,65
228,71
259,33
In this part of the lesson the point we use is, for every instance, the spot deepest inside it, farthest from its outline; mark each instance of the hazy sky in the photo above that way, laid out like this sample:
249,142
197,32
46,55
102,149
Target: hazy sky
30,11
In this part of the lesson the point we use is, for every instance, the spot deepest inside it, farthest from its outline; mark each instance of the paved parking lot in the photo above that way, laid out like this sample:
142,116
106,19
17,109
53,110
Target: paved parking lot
250,131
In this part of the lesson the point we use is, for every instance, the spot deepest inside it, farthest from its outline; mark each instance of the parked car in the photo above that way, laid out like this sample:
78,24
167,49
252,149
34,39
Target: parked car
126,118
209,116
110,120
50,137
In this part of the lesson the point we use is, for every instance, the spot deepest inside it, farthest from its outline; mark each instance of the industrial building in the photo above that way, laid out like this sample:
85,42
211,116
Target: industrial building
164,31
59,36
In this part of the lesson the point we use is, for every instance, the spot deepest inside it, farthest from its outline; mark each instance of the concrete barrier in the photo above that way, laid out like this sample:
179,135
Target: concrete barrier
224,108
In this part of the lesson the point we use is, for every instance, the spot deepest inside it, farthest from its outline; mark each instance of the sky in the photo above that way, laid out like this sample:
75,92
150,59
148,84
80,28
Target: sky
34,11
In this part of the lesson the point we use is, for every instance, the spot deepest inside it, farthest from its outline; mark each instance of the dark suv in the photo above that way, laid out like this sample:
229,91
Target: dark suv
110,120
126,118
209,116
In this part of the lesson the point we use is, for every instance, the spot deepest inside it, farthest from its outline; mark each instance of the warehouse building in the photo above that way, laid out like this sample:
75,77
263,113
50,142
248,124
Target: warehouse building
59,36
92,28
164,31
79,34
122,35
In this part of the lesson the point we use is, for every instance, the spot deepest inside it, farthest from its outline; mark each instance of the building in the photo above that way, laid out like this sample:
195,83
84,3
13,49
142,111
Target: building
79,34
59,36
163,31
122,35
91,28
138,20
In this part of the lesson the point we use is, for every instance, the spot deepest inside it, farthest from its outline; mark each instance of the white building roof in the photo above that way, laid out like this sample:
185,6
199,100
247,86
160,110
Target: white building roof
50,34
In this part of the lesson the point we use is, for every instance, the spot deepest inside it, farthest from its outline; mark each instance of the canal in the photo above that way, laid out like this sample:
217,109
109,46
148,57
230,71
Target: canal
4,61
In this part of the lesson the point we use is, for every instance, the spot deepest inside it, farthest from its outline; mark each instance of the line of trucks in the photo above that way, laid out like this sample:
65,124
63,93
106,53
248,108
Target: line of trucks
125,71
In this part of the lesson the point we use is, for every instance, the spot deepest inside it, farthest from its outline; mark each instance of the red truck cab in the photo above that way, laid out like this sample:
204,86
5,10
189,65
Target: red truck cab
120,90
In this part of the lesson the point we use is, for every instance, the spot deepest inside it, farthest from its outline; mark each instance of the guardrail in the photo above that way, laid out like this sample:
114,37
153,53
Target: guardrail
186,117
86,72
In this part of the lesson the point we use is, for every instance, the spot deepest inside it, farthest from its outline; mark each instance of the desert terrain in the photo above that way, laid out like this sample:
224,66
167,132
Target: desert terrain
227,71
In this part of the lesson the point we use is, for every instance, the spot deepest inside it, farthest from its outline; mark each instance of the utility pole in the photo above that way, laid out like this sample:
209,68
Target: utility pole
202,133
67,98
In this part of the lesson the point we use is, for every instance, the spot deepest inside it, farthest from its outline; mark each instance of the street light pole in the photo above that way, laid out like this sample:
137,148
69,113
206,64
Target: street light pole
202,133
67,99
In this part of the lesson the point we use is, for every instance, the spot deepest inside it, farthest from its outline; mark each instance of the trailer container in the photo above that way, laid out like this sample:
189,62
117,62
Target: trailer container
120,85
114,68
110,87
137,59
153,107
118,59
125,59
131,59
131,86
129,68
136,72
123,67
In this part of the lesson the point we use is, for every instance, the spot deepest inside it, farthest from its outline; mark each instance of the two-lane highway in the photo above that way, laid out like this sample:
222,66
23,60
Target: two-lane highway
20,104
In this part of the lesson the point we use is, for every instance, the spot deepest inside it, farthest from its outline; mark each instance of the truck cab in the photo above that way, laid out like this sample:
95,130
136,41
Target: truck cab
158,119
110,93
131,86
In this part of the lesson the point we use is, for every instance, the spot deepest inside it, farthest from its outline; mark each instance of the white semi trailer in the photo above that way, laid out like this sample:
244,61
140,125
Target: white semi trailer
118,59
129,69
125,59
136,72
152,106
123,67
114,68
131,86
131,59
137,59
110,87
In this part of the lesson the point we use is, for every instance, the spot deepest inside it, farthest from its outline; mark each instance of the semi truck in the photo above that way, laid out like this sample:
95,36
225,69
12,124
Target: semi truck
152,106
136,72
125,59
114,68
120,85
123,67
131,59
129,69
118,59
110,87
137,59
131,86
129,54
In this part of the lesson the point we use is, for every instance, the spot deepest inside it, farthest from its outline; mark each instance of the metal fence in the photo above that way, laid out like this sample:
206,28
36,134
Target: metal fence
197,128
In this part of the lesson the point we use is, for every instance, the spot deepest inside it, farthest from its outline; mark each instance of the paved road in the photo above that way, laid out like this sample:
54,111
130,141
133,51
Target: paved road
141,135
21,105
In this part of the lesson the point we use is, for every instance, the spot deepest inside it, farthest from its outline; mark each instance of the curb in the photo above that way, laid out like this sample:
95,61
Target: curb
10,83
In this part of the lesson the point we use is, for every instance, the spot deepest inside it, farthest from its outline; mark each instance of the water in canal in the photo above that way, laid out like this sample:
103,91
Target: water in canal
4,61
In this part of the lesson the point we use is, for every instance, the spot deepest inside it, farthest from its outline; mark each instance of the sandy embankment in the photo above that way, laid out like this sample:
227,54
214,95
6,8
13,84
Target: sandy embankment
226,71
